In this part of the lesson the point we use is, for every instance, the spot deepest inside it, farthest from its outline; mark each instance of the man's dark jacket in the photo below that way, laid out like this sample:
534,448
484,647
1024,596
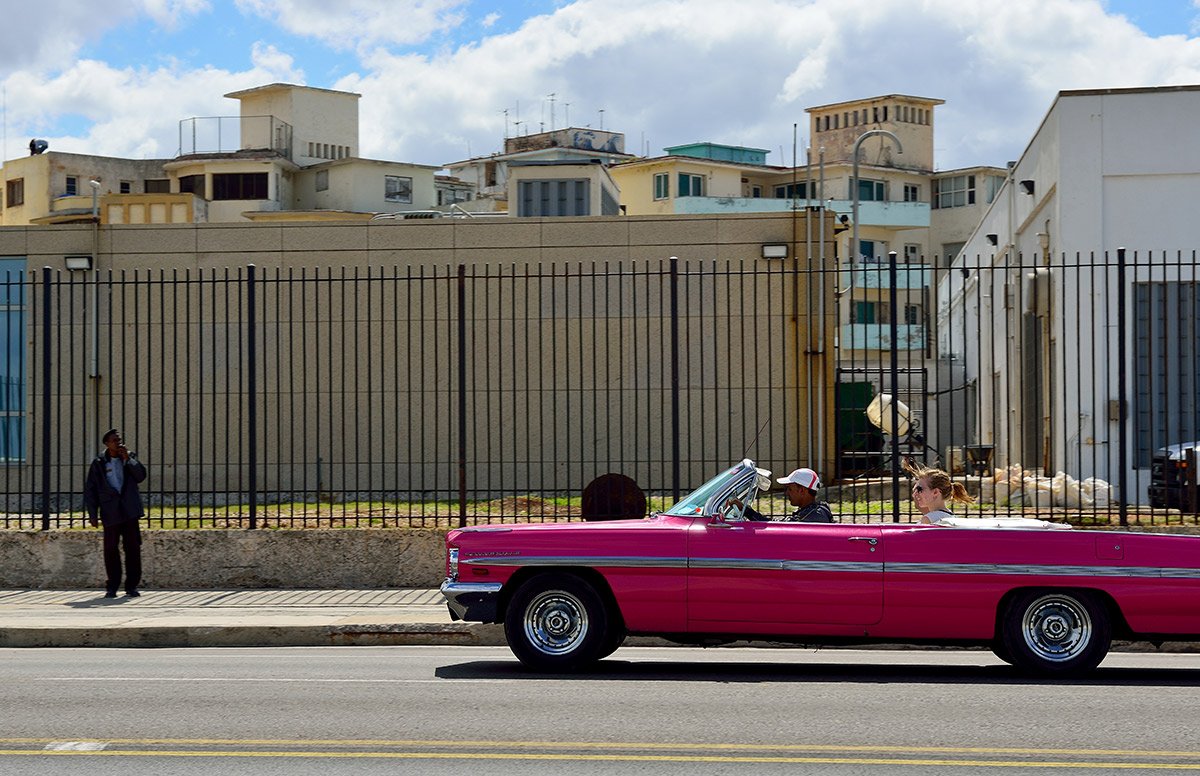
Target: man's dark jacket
115,508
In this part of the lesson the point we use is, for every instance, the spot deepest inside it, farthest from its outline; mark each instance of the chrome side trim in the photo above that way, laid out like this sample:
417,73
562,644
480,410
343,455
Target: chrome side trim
1019,569
599,561
859,566
755,564
773,564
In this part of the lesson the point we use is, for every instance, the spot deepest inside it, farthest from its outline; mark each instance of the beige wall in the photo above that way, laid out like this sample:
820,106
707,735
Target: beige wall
598,177
45,181
316,115
567,337
917,138
358,185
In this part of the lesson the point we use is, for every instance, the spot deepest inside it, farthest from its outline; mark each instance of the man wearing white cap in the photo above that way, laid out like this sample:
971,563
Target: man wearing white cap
802,486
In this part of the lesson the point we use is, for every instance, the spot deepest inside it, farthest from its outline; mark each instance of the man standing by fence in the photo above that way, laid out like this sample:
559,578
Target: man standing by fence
111,490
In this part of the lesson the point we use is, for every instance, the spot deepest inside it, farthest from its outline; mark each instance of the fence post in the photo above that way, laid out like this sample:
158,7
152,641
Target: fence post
462,395
1122,409
46,372
252,390
894,333
1190,502
675,470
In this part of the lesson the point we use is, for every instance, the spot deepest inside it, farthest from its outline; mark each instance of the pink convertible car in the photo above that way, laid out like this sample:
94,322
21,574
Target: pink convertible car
1045,600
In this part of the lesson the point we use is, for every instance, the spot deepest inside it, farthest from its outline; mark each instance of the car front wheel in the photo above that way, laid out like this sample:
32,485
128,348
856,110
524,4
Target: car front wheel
557,622
1056,633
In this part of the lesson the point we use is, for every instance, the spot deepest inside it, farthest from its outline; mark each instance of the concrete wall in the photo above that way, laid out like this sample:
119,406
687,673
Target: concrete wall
215,559
383,411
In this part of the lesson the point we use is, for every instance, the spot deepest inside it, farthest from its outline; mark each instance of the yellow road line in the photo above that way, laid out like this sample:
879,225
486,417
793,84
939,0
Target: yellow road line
603,745
613,758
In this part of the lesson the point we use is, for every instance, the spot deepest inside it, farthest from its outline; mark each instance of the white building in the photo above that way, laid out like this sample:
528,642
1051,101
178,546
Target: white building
1056,340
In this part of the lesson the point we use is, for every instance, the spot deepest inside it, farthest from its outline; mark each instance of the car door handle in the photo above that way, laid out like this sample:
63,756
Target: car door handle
868,539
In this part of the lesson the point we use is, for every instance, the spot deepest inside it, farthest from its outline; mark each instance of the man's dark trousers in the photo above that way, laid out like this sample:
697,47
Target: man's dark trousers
130,534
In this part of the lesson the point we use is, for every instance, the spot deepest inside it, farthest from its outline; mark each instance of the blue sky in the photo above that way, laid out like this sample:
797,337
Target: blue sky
114,77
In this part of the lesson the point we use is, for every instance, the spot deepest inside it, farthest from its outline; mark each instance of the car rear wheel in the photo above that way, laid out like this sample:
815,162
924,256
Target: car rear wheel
1056,633
557,622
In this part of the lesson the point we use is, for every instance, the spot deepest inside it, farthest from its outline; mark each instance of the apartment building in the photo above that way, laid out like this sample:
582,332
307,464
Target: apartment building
291,153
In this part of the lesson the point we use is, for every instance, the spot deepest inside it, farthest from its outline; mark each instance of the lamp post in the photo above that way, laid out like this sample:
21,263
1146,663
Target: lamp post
854,189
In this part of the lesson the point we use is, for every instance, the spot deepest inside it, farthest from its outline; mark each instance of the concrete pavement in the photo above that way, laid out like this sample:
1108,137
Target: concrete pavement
212,618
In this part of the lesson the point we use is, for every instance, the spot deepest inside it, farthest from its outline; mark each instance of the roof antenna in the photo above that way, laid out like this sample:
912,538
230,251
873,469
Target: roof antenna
754,441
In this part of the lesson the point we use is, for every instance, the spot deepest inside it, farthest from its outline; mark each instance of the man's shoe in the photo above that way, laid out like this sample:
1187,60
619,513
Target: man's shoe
132,593
110,594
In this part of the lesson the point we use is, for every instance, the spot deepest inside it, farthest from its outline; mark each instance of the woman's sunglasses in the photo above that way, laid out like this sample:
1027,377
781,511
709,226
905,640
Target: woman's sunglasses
918,489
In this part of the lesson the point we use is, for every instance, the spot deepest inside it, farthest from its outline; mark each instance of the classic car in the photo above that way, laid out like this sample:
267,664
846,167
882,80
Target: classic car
1047,601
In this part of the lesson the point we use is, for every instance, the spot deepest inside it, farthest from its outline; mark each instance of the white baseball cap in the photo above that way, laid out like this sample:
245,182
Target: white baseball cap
805,478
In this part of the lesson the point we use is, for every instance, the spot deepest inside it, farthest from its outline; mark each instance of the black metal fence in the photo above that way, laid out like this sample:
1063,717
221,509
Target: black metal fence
1060,386
423,396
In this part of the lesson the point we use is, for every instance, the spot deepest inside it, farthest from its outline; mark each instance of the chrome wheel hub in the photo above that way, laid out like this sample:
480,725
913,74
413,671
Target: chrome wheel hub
1057,628
555,622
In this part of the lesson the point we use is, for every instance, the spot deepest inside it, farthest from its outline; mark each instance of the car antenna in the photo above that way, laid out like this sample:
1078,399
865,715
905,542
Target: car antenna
754,441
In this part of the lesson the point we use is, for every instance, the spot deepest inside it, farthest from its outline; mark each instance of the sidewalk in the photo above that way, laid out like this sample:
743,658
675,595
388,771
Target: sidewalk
233,618
269,618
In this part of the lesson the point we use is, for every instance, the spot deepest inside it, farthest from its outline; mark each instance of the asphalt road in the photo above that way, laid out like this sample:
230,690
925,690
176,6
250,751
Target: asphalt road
448,710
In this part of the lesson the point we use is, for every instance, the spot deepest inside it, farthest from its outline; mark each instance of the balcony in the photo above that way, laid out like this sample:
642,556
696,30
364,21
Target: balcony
894,215
226,134
878,336
875,276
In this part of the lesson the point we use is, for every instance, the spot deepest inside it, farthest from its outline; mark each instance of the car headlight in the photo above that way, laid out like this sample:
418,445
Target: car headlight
452,569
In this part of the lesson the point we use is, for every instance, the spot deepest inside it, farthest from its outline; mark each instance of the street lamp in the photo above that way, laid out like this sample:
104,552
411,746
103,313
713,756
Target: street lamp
854,189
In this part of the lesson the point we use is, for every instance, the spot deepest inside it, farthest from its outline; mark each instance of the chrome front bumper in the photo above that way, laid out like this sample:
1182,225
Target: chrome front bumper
472,601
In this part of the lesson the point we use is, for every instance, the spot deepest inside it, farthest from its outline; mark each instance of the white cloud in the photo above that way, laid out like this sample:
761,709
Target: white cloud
44,35
664,71
489,21
354,24
687,71
132,113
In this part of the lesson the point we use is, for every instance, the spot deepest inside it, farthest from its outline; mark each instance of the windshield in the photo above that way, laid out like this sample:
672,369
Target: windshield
693,503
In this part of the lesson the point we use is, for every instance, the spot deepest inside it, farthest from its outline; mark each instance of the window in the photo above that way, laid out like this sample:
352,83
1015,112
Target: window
72,185
865,312
950,250
554,198
239,185
994,182
12,359
691,185
193,184
912,253
662,185
955,191
126,187
797,190
14,193
397,189
868,191
322,180
912,192
157,186
912,315
1167,383
756,191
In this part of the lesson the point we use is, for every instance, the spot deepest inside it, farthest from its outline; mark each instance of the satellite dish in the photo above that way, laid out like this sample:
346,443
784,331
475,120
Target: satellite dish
879,412
37,146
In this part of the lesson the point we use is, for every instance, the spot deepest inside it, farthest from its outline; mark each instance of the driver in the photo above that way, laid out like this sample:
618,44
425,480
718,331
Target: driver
801,489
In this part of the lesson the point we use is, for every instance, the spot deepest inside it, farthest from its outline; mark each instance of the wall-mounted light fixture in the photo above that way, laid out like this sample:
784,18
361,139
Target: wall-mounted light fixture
774,251
1027,186
78,263
993,239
